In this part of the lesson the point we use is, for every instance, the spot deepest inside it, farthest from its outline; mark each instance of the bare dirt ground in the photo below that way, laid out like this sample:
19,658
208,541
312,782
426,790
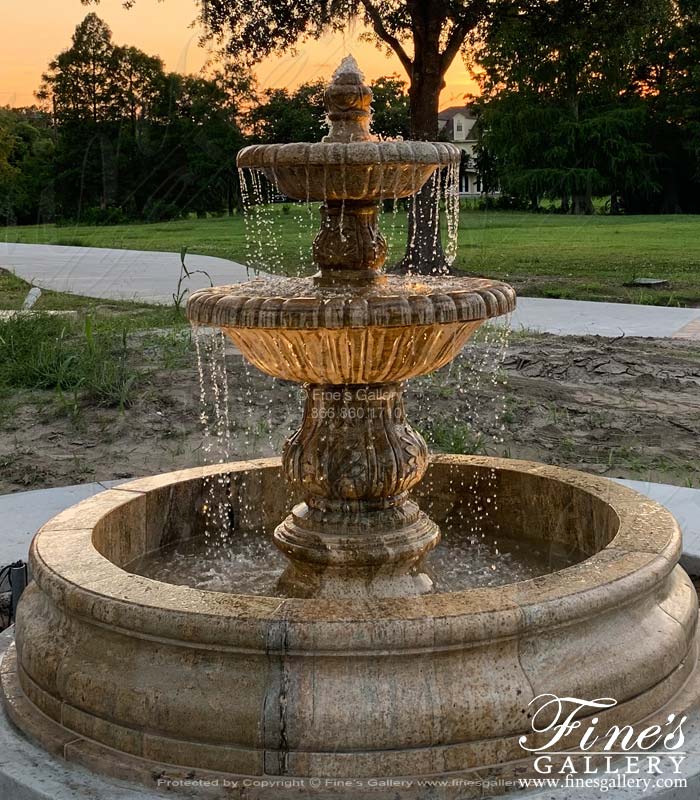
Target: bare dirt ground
620,408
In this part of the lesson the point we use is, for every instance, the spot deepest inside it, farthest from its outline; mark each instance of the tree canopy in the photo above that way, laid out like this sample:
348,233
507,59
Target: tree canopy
425,35
26,162
133,141
568,98
579,99
281,115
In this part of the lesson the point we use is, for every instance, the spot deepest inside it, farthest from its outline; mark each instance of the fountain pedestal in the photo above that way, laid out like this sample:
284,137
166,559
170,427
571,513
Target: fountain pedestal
353,335
354,460
350,250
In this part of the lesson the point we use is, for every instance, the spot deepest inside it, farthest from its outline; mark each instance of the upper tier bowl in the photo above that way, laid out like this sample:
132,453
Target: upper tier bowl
368,171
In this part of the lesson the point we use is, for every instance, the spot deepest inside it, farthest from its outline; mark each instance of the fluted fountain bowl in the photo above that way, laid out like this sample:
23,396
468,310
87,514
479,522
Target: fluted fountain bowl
360,170
392,331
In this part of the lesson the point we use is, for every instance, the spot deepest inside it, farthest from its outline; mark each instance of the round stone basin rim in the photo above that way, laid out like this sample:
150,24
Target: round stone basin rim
375,154
399,302
67,565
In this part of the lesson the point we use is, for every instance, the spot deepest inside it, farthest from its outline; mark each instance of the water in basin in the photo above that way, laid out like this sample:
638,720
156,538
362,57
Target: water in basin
251,564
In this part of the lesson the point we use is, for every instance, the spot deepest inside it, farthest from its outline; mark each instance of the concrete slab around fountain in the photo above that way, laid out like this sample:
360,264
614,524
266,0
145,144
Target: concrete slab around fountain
22,514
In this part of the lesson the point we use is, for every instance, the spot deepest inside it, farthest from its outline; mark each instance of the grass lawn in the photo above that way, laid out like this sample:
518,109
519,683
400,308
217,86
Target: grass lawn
542,255
101,354
116,314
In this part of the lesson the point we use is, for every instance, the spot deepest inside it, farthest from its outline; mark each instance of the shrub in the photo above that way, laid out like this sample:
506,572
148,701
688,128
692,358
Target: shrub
161,211
103,216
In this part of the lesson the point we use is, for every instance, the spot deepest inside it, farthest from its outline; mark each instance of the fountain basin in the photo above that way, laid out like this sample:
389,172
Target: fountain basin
131,676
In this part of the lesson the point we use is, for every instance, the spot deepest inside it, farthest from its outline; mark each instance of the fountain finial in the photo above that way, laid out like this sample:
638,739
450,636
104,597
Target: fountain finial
348,102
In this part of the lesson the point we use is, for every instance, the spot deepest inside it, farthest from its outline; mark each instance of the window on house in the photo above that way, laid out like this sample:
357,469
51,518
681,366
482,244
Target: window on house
459,127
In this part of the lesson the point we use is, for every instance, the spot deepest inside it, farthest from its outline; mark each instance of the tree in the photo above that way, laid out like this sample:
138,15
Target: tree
531,148
425,35
282,115
285,116
80,87
80,79
557,112
135,141
26,166
391,116
8,172
667,77
206,137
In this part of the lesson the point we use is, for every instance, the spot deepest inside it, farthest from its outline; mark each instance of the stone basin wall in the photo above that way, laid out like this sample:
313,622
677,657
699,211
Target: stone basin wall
131,676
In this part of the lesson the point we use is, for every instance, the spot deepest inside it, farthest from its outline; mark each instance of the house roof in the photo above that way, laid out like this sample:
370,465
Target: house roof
449,113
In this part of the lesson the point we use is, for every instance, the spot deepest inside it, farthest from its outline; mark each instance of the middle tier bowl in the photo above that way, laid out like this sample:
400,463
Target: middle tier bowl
402,328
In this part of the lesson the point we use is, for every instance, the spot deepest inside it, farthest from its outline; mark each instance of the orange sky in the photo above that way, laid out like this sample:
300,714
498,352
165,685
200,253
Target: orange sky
34,31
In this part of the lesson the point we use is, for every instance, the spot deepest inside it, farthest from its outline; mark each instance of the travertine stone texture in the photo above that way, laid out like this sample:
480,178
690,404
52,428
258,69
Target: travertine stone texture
423,685
352,356
355,458
333,172
351,171
400,302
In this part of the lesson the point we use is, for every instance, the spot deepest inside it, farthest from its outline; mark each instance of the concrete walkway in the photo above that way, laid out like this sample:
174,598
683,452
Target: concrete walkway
22,514
114,274
152,277
584,317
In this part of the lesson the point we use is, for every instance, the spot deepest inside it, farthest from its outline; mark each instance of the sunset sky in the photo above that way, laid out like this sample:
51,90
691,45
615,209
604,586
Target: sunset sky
34,31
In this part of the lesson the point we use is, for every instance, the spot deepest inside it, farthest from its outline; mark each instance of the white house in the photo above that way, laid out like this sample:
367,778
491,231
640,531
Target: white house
456,124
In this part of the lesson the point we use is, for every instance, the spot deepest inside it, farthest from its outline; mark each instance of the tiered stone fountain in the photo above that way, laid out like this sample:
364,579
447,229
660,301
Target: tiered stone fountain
357,670
352,336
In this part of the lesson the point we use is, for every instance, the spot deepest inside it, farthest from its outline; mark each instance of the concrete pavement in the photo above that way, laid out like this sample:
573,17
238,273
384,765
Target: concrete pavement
584,317
152,277
684,504
23,513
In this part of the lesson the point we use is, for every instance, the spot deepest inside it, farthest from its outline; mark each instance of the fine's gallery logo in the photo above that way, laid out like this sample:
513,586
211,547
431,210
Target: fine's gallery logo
568,737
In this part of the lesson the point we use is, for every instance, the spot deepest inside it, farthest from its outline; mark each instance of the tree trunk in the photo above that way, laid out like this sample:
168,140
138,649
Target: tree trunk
583,203
424,251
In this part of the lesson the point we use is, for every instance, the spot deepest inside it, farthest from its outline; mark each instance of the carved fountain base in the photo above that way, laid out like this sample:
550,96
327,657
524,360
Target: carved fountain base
354,460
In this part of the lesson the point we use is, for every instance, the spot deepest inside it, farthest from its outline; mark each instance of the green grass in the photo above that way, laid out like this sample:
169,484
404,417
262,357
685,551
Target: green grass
115,313
75,359
85,359
549,255
543,255
94,356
